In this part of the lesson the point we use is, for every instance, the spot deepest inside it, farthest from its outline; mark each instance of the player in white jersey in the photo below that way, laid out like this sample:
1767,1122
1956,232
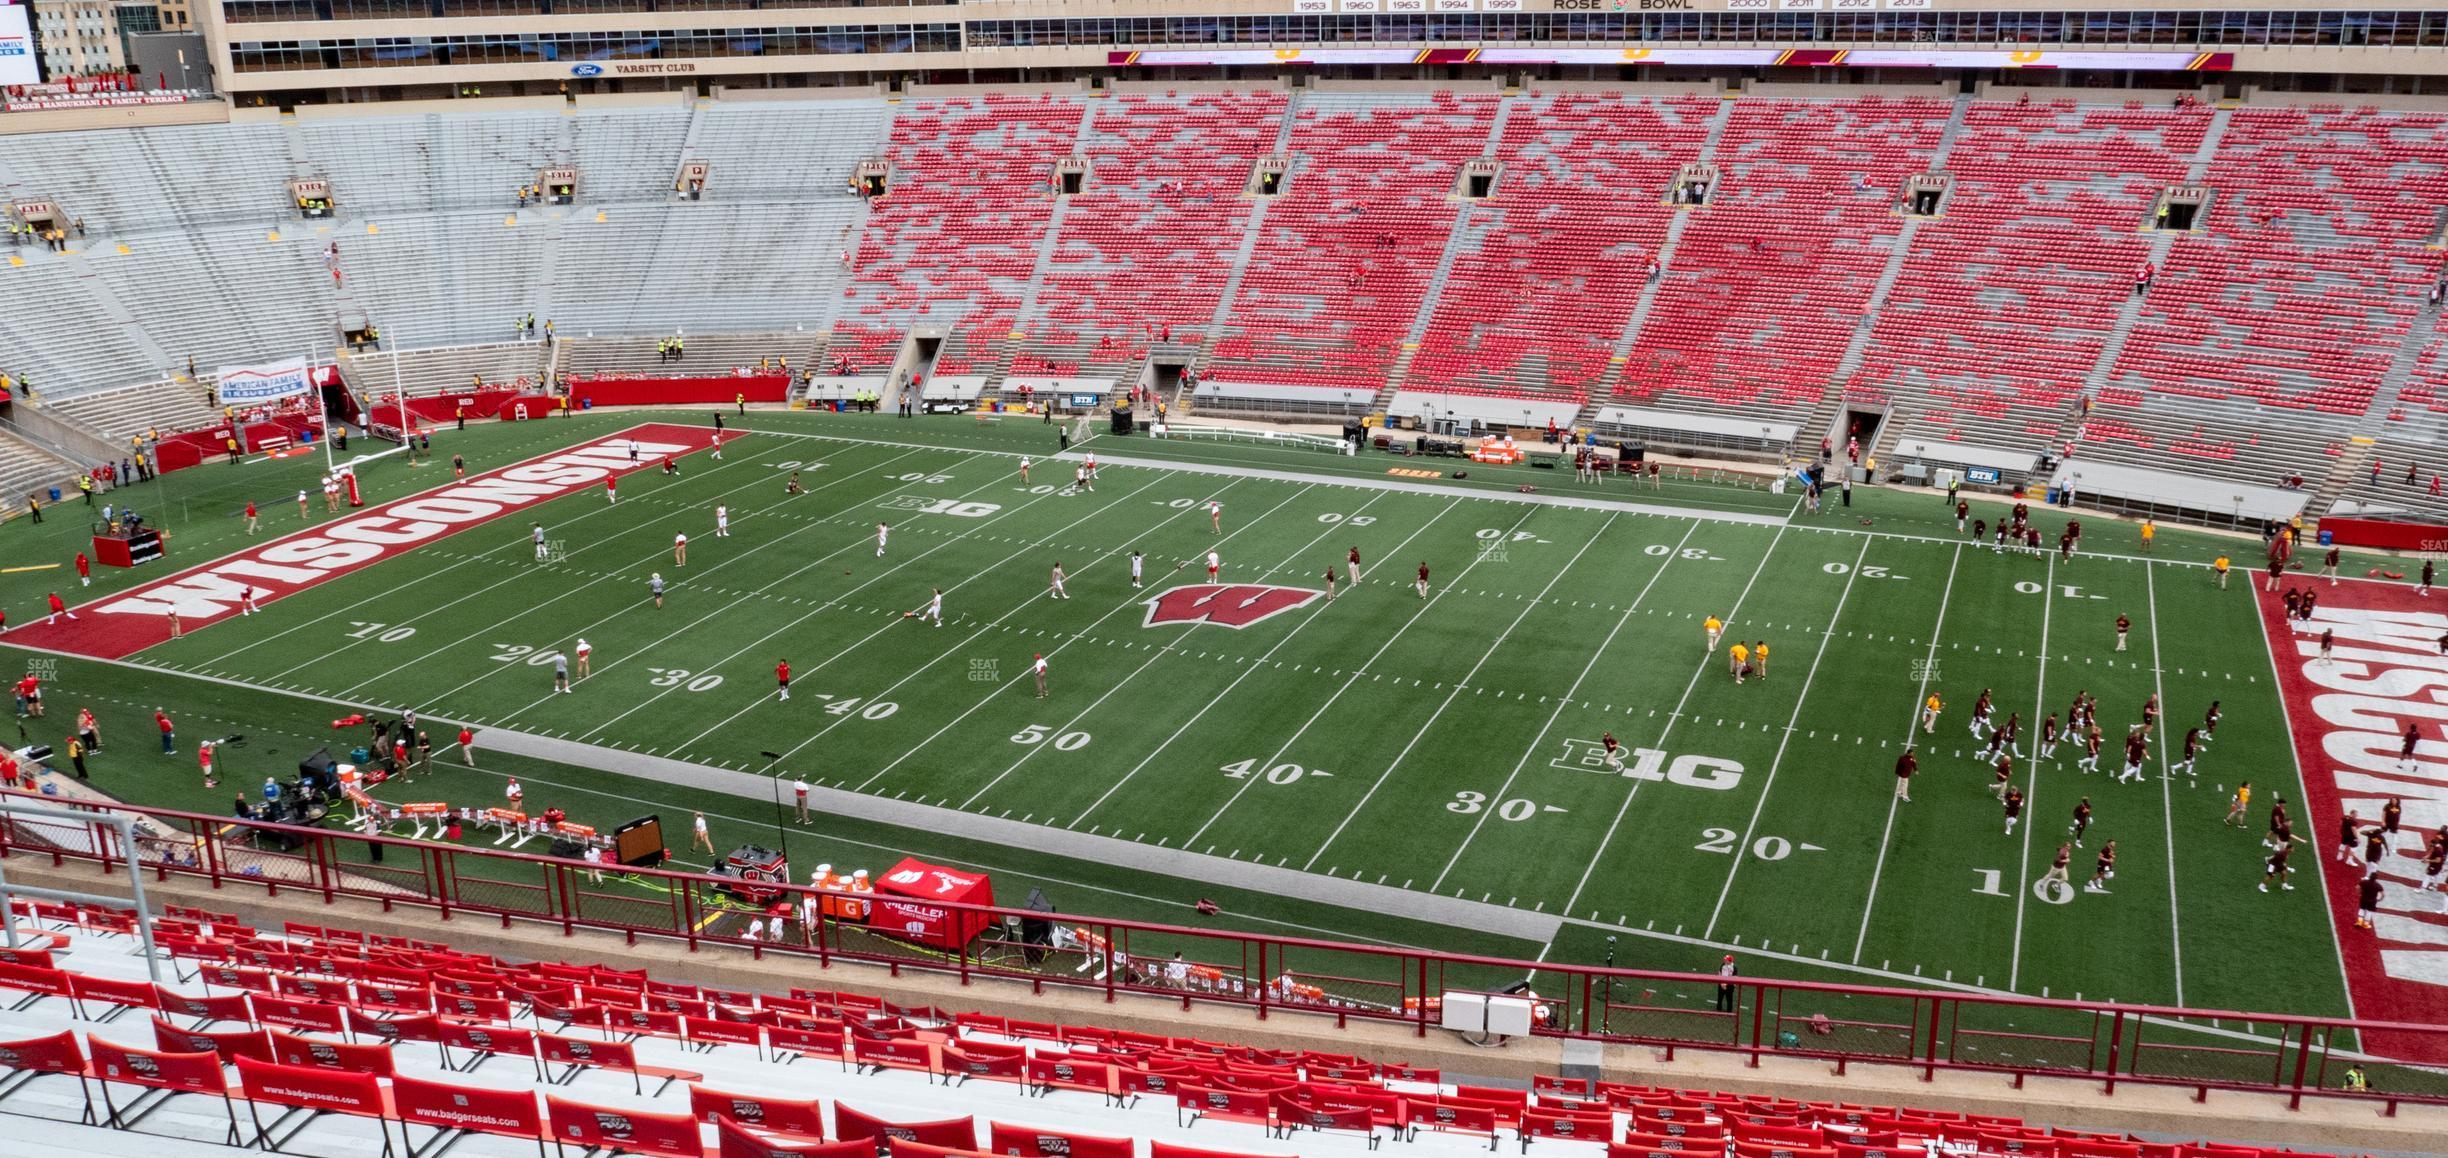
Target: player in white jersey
1215,517
538,534
883,533
1214,564
722,522
1024,469
1054,585
1137,560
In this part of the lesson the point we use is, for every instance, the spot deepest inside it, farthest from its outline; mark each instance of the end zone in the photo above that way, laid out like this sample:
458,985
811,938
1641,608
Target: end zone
2348,720
120,625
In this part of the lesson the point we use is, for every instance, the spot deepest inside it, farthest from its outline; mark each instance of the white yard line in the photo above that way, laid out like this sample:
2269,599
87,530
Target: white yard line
1912,723
1742,851
1159,653
893,624
622,574
1134,600
1672,719
1247,671
2031,795
392,593
854,543
2167,795
1348,684
1538,743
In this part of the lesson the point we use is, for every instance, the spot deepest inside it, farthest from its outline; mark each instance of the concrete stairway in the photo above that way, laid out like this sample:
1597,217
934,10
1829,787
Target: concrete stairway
1604,389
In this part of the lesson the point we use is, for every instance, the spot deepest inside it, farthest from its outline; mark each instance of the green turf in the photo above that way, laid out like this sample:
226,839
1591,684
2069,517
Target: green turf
1421,744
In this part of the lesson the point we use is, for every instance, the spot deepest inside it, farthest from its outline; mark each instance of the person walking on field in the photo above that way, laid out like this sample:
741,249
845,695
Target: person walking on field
1038,668
701,838
1351,568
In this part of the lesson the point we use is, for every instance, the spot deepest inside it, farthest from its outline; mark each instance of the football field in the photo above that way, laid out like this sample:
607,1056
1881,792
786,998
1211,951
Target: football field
1446,744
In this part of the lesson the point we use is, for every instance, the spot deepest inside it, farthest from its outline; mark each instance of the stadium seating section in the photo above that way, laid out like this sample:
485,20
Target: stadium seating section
317,1040
2290,320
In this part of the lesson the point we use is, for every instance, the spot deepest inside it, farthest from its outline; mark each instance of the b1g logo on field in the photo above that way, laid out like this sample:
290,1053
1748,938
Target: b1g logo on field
1650,764
1234,605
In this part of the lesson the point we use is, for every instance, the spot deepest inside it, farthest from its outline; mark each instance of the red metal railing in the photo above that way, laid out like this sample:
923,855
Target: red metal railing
1849,1025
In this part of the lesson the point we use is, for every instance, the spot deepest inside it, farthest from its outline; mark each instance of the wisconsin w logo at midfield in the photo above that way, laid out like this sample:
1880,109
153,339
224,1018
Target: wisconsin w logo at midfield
1234,605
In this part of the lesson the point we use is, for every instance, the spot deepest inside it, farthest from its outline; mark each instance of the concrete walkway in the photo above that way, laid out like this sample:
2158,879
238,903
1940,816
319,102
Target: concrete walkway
1200,868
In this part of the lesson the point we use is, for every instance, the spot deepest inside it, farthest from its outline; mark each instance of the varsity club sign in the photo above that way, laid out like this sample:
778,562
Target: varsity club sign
2349,718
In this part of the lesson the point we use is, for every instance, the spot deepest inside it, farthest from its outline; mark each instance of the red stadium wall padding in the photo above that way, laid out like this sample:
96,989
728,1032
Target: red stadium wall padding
951,1133
512,1113
721,388
634,1131
763,1113
734,1142
1030,1142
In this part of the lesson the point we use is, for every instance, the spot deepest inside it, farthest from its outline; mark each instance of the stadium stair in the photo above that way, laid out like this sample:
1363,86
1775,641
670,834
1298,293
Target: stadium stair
1859,344
26,468
1621,359
2160,244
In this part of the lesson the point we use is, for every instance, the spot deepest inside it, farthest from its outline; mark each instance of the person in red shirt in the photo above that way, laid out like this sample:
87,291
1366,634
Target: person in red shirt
29,696
84,568
250,516
782,680
169,734
467,746
611,493
59,607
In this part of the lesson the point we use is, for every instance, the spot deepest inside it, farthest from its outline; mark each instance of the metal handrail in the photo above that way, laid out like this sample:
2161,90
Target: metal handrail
1941,1029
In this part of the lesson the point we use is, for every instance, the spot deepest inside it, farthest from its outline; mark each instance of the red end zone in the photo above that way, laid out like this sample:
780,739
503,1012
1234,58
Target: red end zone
2349,720
117,626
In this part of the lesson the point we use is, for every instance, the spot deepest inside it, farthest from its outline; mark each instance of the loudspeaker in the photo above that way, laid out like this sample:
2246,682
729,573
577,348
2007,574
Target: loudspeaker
1122,422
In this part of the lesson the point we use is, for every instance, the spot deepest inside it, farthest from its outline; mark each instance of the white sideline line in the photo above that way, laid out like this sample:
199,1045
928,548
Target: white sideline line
1144,761
617,573
2295,761
1539,741
393,592
893,623
1320,713
1134,600
853,542
1742,851
1573,902
2167,797
1158,653
1912,721
2031,796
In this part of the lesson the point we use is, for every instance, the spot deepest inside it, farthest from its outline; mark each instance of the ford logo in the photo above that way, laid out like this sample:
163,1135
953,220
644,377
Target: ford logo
586,70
